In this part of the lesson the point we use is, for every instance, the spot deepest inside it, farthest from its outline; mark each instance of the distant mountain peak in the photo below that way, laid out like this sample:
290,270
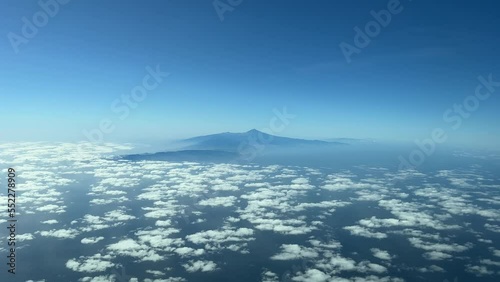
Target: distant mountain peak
232,142
228,146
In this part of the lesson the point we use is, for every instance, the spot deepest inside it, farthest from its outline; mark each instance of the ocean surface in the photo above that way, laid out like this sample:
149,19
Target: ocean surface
345,214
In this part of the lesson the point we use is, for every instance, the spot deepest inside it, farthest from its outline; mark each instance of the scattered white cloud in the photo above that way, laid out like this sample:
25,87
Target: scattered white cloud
95,263
91,240
200,265
294,251
381,254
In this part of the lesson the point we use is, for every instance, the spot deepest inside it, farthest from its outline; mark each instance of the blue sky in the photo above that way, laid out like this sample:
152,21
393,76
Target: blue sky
229,75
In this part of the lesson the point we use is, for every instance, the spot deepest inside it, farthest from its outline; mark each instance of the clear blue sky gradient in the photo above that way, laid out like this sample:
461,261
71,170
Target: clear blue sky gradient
229,75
